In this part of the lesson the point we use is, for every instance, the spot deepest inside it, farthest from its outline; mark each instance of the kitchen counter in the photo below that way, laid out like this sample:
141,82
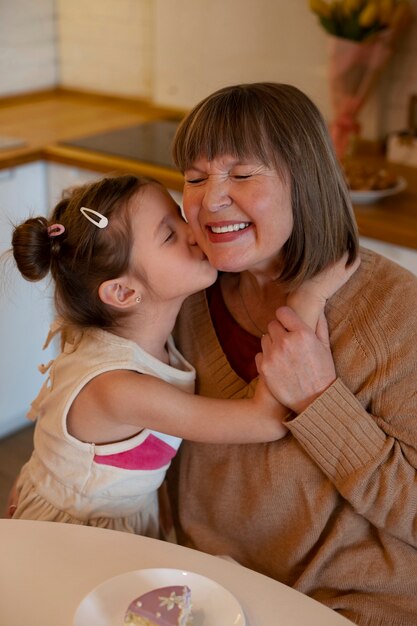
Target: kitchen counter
47,121
44,121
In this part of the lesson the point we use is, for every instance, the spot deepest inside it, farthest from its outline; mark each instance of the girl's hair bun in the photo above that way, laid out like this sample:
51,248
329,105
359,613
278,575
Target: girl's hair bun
33,248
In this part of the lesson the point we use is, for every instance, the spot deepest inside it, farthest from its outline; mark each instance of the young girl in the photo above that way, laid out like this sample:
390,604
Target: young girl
119,397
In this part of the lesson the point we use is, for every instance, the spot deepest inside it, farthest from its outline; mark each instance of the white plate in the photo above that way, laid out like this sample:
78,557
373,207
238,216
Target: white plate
106,605
369,197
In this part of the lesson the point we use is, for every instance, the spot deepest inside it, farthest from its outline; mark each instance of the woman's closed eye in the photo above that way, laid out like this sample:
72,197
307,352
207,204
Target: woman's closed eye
198,180
195,180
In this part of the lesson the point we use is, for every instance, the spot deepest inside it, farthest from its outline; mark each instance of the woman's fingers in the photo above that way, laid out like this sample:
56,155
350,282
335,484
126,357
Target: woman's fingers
289,319
296,364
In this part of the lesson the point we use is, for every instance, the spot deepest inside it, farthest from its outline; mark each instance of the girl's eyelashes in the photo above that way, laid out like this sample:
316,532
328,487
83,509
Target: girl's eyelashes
169,235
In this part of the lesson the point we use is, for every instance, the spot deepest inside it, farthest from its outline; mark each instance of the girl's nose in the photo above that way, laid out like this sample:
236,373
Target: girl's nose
216,196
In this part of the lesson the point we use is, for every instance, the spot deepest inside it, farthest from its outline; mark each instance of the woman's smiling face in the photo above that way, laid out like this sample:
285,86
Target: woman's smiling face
240,212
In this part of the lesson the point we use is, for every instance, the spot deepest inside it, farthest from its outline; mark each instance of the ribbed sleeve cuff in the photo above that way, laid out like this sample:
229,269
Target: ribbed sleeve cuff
337,432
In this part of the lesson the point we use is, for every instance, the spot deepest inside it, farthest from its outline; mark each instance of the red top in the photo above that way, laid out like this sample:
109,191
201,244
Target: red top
239,346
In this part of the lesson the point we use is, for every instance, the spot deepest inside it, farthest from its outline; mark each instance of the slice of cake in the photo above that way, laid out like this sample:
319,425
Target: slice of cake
166,606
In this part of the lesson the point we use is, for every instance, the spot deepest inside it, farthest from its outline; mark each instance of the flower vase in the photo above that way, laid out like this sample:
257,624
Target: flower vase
354,67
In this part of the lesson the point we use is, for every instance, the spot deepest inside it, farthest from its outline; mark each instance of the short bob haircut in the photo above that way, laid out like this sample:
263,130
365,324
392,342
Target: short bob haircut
280,126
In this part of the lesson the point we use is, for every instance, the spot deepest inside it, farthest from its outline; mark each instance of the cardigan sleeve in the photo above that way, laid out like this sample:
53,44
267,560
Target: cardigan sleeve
364,457
362,431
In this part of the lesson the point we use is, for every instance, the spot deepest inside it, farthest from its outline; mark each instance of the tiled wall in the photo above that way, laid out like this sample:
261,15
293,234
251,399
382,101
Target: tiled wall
98,45
177,52
27,45
106,45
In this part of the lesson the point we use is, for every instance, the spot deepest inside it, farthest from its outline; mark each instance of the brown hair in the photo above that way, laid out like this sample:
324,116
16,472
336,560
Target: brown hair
281,127
83,256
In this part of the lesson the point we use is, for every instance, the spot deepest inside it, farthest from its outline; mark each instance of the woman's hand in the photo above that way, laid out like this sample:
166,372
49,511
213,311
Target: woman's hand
296,363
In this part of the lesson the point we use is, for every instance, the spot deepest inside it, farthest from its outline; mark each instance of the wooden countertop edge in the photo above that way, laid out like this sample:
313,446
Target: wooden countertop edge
94,161
84,96
112,164
372,229
20,158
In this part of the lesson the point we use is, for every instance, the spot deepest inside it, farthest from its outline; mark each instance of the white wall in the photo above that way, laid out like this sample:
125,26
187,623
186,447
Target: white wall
27,46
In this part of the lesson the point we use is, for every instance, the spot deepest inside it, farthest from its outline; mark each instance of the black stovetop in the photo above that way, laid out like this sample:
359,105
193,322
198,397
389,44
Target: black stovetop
149,142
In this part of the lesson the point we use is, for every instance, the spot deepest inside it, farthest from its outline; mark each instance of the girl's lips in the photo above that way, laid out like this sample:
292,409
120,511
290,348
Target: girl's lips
226,231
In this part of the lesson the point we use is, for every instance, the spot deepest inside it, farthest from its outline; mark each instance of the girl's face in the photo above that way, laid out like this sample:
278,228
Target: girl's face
165,254
240,212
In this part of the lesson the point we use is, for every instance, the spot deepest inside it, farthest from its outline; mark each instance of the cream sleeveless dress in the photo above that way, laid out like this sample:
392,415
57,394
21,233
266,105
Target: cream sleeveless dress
113,485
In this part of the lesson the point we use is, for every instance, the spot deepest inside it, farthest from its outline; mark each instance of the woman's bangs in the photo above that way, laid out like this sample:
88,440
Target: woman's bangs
214,135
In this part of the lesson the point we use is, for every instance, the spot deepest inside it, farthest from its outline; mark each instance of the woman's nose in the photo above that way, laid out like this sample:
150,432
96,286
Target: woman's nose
216,194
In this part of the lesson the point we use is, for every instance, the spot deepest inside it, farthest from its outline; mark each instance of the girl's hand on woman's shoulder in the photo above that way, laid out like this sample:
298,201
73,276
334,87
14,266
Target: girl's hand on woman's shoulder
325,284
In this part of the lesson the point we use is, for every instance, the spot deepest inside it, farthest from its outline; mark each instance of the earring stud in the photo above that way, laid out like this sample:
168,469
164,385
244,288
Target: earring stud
138,299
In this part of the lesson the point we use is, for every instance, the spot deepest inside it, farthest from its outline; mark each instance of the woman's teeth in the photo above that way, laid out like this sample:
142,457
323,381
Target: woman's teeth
229,228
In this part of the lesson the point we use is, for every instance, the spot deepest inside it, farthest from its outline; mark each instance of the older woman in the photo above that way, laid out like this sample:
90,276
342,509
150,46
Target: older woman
331,509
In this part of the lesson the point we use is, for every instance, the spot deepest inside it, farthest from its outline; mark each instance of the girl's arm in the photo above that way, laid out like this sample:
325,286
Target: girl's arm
309,300
117,404
121,402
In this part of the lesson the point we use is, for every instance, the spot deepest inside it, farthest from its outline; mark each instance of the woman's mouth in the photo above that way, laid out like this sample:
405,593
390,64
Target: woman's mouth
228,228
226,232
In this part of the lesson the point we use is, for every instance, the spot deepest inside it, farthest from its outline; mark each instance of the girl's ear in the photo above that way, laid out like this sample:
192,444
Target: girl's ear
117,293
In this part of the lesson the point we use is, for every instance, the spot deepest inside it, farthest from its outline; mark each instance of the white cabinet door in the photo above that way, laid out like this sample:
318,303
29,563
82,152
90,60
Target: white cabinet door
60,177
26,309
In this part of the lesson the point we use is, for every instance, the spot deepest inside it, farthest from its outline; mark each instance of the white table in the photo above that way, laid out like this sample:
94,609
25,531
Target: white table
46,569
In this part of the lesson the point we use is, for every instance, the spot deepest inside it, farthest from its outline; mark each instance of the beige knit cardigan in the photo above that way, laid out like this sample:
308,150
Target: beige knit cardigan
331,509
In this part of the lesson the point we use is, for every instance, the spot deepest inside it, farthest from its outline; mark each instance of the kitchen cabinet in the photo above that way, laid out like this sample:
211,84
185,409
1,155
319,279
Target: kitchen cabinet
26,309
60,177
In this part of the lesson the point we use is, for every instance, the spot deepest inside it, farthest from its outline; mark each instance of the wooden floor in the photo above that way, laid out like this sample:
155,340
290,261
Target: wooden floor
14,451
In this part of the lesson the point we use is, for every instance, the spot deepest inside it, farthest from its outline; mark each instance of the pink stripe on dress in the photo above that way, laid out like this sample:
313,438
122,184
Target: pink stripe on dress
151,454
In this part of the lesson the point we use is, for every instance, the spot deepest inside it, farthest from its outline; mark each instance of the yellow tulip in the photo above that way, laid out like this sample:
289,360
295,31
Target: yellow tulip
320,7
386,8
369,15
349,6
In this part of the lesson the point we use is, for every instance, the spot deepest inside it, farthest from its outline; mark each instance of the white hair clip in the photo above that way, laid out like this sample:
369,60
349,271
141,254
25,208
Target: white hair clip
90,214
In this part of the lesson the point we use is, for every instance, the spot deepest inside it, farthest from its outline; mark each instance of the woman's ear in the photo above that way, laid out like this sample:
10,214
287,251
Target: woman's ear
118,293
